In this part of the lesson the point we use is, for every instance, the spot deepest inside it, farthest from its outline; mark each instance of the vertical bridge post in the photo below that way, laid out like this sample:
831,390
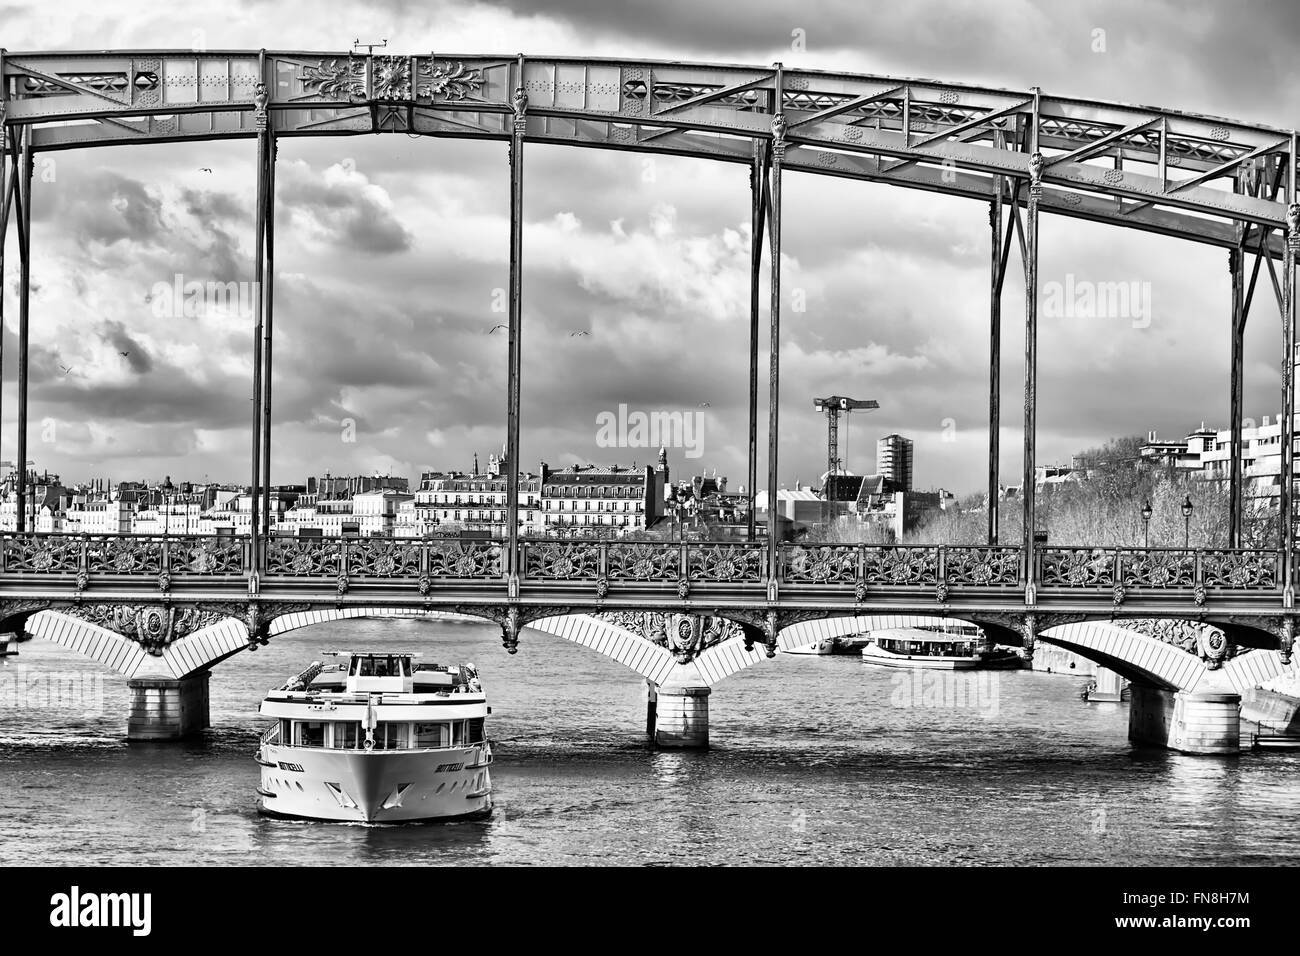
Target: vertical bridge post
260,98
7,181
268,293
24,184
995,353
1036,164
1236,270
774,367
1286,500
513,347
758,210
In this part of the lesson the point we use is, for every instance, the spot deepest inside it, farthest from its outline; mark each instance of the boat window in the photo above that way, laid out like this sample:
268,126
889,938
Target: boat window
458,733
390,736
347,735
309,733
475,730
432,735
382,665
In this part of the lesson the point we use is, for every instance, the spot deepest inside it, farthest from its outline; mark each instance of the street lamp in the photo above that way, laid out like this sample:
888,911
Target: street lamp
1146,525
1187,521
167,489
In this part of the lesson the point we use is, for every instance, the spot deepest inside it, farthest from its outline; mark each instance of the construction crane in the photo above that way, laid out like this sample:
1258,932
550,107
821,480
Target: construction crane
833,406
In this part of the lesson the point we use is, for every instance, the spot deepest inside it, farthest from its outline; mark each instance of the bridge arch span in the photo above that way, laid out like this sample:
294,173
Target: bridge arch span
181,658
721,661
1129,653
299,619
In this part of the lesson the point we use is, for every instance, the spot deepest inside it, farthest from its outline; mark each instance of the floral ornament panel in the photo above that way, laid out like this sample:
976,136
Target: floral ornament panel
1158,569
465,559
828,564
1240,570
1078,567
725,563
900,565
384,558
982,567
304,557
643,561
206,556
42,555
579,561
124,556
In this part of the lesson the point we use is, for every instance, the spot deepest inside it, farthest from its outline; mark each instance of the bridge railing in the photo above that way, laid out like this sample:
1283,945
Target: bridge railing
624,562
1160,569
875,566
124,555
614,563
411,559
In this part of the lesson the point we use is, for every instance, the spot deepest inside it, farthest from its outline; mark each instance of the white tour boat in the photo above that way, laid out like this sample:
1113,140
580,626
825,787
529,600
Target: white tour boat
948,647
377,738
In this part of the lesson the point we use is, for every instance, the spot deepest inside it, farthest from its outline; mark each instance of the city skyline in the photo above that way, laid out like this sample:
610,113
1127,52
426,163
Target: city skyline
391,253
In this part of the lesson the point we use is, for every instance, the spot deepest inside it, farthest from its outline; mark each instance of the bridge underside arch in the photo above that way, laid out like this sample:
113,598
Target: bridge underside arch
181,658
1130,654
299,619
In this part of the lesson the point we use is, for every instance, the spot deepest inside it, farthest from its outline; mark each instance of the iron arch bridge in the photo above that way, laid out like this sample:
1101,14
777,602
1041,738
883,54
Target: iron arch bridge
1021,153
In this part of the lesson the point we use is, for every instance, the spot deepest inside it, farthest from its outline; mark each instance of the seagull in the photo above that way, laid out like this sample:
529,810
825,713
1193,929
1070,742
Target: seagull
124,354
704,404
572,334
66,369
495,327
204,169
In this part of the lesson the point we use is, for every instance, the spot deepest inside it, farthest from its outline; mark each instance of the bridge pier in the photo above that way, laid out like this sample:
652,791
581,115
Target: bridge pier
677,716
1107,688
1190,722
167,709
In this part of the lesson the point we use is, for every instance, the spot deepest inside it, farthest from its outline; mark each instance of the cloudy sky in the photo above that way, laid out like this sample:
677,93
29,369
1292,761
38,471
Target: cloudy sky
390,252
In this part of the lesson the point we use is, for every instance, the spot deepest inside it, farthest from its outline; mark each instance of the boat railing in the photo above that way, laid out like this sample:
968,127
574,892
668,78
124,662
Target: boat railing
271,735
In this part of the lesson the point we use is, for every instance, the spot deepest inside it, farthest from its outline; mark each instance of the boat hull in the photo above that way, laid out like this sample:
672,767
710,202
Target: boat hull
872,655
375,786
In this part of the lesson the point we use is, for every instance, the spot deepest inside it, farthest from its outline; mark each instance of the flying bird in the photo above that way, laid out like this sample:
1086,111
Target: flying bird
704,404
204,169
124,354
66,369
572,334
495,327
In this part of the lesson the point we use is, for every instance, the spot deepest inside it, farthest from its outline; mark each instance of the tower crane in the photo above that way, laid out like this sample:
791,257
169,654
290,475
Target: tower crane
833,406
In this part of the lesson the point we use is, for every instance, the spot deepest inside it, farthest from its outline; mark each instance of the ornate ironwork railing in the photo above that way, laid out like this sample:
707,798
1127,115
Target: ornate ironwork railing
981,566
642,561
918,565
828,565
1159,569
464,559
384,558
1077,568
304,557
562,560
726,563
1241,570
619,562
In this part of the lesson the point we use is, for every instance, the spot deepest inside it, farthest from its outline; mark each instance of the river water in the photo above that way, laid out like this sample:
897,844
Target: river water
815,760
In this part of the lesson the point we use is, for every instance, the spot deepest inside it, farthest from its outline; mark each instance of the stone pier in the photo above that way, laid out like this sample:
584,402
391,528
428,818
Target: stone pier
1190,722
677,715
167,709
1107,688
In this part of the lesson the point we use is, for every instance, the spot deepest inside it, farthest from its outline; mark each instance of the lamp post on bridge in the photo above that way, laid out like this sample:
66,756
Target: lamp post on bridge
1146,525
1187,522
168,490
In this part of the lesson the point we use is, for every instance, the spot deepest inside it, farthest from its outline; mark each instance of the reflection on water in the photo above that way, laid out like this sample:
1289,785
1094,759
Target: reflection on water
816,760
